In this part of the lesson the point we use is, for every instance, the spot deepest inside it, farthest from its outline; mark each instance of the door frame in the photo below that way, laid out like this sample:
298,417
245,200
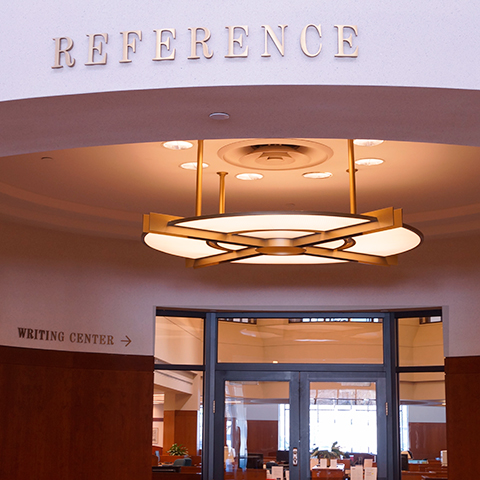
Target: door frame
299,398
389,368
381,399
249,375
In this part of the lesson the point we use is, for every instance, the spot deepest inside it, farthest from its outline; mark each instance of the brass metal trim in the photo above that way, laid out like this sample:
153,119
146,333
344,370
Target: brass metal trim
351,176
365,216
198,198
221,194
349,242
352,256
379,220
286,250
222,258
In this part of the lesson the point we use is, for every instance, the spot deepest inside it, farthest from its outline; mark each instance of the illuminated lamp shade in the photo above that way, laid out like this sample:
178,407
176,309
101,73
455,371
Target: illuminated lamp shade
183,247
281,238
291,260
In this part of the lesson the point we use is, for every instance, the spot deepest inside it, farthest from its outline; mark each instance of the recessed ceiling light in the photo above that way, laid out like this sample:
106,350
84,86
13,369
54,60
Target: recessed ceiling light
318,175
369,162
367,143
219,116
193,165
249,176
178,145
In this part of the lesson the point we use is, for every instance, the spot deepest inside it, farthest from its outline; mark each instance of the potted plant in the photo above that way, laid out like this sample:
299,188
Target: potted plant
177,450
334,452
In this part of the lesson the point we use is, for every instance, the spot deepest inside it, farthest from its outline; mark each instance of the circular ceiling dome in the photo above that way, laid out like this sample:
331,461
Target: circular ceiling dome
269,154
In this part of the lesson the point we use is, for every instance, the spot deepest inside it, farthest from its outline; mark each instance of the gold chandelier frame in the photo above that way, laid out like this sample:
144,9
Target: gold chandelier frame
374,238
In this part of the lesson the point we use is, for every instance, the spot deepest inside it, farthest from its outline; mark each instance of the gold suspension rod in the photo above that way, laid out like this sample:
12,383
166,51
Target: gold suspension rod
221,195
198,199
351,175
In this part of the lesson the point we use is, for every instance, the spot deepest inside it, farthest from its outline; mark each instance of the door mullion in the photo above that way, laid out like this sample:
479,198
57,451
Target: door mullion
219,426
304,422
391,361
383,412
210,333
294,425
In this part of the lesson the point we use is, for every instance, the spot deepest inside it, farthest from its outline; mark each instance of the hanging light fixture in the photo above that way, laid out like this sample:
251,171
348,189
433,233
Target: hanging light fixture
281,237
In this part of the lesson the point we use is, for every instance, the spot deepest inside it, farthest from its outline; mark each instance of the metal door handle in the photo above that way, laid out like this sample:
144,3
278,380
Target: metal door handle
295,457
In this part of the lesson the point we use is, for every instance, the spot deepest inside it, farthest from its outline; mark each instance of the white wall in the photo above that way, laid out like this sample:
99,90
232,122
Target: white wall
424,414
408,43
427,45
262,412
55,280
158,413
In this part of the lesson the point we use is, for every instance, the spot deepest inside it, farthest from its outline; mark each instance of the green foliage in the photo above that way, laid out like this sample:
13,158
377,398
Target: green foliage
334,452
176,449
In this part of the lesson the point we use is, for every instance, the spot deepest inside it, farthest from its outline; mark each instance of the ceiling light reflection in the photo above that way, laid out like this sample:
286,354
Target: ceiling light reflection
369,162
316,175
249,176
367,143
192,165
178,145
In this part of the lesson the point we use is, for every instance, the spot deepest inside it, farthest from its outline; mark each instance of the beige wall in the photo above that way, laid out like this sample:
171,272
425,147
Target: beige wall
420,344
179,340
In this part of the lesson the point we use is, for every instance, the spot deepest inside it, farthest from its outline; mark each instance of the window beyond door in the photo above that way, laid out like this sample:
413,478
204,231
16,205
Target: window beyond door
345,414
337,340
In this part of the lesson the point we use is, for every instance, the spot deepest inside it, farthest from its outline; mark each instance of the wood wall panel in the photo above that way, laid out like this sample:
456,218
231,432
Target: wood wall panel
462,383
262,437
168,429
69,415
186,429
180,426
427,440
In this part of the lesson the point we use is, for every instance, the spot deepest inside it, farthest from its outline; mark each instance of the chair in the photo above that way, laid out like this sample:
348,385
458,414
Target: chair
183,462
269,466
167,468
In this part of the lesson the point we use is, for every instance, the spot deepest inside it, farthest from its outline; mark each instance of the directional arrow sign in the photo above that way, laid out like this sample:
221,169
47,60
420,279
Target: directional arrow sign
127,341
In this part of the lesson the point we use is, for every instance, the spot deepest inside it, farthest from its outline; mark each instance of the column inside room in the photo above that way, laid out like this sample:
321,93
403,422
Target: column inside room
181,412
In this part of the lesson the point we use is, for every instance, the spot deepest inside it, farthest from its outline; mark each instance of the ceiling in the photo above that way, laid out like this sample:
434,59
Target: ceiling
105,190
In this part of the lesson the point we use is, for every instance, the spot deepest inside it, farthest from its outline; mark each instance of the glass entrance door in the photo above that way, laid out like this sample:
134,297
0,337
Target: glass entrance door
256,435
346,425
269,424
